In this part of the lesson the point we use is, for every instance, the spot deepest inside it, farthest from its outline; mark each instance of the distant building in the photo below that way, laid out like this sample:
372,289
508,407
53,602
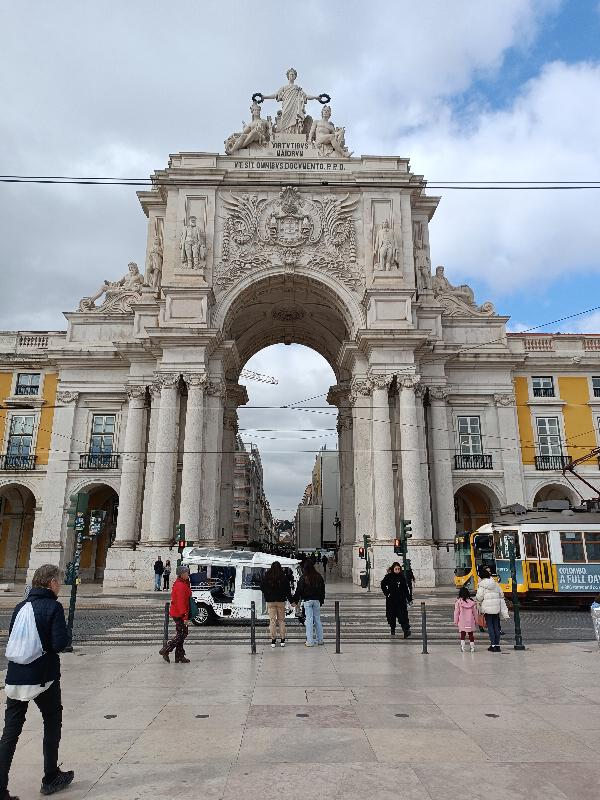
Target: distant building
315,518
252,518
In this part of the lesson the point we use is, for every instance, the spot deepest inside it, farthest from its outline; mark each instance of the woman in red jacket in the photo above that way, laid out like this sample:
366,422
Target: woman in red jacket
180,611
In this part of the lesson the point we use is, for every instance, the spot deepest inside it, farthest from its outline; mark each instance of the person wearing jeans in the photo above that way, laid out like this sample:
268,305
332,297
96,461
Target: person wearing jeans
311,590
38,681
159,568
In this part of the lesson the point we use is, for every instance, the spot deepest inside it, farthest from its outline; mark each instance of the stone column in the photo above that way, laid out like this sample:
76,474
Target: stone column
509,446
383,481
165,462
132,459
191,475
230,430
213,451
339,396
360,399
48,543
441,458
413,501
150,454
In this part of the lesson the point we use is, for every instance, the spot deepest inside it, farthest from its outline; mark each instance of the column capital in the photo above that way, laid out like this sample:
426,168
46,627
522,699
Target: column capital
66,397
196,379
379,380
439,393
337,394
407,381
359,388
135,392
167,380
504,399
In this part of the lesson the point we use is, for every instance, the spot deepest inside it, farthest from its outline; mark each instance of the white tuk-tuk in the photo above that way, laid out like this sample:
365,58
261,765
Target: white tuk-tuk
225,582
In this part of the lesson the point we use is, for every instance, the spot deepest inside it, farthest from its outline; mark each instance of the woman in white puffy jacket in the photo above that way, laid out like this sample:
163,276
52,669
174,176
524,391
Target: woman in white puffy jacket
490,601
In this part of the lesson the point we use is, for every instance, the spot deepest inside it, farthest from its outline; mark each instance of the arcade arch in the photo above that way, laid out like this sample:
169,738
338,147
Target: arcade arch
474,505
555,491
17,516
103,505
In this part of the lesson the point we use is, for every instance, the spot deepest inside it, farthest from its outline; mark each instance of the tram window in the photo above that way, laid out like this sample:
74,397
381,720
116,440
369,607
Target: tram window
592,545
531,546
571,543
502,546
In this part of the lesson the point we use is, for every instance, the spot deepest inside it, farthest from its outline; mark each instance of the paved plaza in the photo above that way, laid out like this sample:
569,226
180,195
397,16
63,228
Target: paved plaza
380,721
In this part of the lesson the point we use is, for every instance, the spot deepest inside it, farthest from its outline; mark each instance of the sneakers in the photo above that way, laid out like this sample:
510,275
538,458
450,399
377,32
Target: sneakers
491,648
462,645
472,646
165,655
321,644
182,660
406,634
497,649
60,781
273,642
282,643
306,644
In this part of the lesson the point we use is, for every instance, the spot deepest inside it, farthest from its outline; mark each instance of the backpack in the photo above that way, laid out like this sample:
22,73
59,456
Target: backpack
24,644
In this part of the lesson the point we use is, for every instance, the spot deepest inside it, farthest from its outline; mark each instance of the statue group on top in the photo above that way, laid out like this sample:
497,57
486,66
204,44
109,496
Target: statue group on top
290,119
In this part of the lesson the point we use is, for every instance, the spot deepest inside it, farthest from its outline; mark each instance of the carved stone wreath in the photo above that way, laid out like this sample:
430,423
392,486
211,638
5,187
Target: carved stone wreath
290,231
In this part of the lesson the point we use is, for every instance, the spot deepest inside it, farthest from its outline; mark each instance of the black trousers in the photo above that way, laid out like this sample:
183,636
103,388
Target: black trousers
166,580
397,611
176,643
50,705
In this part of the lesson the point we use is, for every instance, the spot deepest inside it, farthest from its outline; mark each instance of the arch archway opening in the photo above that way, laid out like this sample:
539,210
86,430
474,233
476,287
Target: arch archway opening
17,517
474,506
556,491
100,519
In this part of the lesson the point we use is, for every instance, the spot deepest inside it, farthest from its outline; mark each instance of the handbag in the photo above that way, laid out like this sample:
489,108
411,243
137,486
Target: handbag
193,608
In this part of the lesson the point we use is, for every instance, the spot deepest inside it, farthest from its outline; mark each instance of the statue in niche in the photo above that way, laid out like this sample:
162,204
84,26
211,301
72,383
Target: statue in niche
118,294
258,132
456,300
193,246
422,262
292,118
155,262
385,250
424,274
327,137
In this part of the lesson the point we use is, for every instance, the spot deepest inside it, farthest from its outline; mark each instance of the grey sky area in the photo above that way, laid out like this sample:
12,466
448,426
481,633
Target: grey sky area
111,88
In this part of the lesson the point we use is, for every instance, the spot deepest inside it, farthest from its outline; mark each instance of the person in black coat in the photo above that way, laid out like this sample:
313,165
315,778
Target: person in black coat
275,586
38,681
398,595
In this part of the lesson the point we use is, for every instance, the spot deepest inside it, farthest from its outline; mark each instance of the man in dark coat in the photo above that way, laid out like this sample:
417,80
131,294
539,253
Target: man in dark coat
159,568
38,681
397,596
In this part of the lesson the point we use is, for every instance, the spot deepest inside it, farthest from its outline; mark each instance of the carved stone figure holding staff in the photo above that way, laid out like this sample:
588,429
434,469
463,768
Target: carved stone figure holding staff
193,249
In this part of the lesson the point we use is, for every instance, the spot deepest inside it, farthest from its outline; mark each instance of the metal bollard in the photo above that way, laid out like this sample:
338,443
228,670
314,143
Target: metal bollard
337,626
424,627
253,627
166,625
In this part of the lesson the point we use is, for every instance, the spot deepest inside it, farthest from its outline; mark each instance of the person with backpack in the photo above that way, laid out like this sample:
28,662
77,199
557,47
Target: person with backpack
397,597
490,601
466,617
311,589
38,633
275,586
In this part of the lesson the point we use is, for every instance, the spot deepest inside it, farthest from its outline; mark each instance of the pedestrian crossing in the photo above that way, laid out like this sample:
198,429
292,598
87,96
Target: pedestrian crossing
362,620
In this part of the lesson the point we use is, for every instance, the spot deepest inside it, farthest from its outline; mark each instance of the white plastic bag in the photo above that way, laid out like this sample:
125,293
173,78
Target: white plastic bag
24,644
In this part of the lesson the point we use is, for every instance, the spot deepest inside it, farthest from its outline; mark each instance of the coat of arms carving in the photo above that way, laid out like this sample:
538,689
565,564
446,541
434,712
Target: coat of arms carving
290,230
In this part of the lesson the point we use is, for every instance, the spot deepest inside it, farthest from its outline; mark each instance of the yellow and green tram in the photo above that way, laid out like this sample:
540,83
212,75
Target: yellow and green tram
557,553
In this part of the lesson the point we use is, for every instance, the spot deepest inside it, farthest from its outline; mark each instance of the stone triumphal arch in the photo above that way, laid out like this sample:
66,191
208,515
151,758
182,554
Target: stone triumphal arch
287,238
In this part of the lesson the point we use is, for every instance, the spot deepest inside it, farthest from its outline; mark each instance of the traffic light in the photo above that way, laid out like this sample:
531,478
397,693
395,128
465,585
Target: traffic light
397,547
361,552
180,537
405,527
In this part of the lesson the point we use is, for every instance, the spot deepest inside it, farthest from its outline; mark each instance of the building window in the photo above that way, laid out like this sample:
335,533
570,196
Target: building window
571,544
543,386
102,441
596,386
28,383
20,440
548,434
469,436
592,545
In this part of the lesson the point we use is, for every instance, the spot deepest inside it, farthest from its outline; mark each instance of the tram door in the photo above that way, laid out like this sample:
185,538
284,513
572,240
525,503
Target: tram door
538,570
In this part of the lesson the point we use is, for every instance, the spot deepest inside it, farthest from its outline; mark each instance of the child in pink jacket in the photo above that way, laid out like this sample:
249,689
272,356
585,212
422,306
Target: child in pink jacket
465,617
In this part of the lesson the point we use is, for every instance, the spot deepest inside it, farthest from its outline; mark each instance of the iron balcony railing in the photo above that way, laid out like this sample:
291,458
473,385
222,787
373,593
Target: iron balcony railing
539,391
473,461
551,462
27,390
99,461
596,391
13,461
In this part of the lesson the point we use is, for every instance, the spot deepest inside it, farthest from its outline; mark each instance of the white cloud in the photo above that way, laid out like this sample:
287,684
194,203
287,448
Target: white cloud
588,324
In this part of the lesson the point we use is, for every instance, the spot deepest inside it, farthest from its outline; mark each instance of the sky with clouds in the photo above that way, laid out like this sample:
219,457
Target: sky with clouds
468,90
